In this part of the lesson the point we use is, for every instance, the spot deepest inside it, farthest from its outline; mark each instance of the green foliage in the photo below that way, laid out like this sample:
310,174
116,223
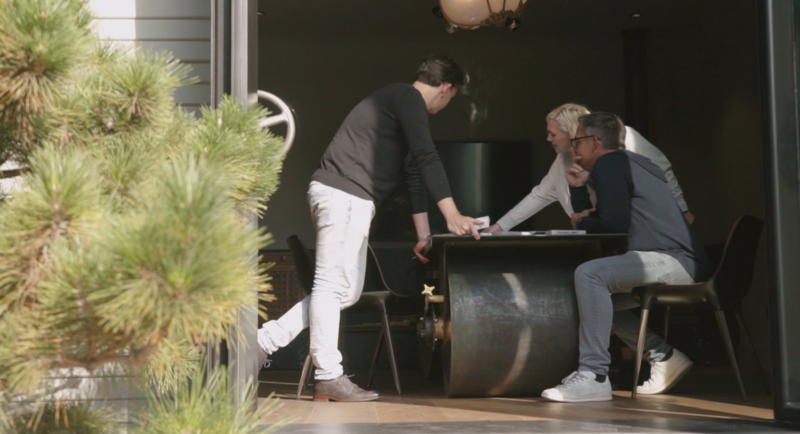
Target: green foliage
134,91
128,245
250,155
193,403
176,270
63,202
170,364
62,206
206,407
123,93
65,418
41,43
63,328
126,167
182,261
141,87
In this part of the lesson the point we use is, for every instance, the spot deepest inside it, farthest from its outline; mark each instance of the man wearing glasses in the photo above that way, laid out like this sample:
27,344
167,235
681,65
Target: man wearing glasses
562,124
632,197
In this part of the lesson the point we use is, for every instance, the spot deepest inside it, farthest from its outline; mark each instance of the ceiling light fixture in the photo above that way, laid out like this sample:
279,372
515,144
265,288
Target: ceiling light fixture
637,15
471,14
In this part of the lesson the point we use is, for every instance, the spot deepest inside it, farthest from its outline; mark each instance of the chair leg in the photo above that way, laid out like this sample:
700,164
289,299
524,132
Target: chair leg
666,322
723,328
639,351
743,327
307,367
390,348
374,364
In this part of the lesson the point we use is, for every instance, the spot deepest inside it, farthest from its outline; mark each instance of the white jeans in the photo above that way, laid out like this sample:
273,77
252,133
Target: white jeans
342,221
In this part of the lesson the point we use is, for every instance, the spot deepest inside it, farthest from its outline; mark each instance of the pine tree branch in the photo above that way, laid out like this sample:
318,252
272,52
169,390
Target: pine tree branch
137,358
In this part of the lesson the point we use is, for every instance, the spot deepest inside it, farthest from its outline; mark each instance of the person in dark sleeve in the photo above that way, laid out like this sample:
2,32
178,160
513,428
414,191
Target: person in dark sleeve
632,198
384,139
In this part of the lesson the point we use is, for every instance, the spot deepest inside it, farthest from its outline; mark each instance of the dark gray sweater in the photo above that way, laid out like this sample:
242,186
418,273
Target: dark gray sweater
368,155
633,198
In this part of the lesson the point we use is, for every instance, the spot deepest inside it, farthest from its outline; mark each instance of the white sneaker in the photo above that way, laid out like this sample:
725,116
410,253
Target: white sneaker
580,387
664,375
263,361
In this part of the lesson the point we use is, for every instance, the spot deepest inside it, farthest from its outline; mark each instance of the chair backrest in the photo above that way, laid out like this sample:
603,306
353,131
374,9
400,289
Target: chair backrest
375,274
735,273
305,267
302,263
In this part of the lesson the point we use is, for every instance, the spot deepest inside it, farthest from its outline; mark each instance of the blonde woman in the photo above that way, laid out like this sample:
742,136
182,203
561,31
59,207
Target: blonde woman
562,124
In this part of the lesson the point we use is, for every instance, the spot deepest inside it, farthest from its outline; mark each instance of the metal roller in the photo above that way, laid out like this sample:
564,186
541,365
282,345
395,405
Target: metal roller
509,323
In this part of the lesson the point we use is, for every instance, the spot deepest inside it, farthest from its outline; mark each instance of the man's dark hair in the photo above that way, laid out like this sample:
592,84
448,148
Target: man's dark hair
608,128
438,69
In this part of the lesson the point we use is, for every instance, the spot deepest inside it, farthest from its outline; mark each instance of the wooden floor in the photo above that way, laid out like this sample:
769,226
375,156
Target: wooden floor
705,394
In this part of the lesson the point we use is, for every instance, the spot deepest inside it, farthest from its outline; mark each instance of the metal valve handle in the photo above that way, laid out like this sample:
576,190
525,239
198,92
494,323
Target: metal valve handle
285,116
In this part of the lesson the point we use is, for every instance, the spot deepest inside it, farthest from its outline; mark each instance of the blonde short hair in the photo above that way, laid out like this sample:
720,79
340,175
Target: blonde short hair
567,117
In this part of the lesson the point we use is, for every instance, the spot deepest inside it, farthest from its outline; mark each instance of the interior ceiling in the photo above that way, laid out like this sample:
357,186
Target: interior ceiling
380,18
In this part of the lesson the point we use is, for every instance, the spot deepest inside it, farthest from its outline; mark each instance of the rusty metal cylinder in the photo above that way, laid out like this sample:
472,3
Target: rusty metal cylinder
512,316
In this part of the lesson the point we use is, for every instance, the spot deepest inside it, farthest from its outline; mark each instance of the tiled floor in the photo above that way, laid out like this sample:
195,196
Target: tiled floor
705,401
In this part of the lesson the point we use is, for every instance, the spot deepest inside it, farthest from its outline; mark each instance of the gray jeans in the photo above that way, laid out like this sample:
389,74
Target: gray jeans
603,288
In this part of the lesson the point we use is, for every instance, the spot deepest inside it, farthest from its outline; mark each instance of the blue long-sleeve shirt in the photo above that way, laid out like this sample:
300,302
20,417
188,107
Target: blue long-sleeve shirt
633,198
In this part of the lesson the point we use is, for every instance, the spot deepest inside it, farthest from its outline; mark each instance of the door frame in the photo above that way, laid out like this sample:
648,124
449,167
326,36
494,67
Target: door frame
778,32
234,59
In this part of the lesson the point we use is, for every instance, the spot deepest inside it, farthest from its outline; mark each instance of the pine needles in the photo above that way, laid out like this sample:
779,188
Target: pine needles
66,418
62,202
127,247
41,43
250,155
206,407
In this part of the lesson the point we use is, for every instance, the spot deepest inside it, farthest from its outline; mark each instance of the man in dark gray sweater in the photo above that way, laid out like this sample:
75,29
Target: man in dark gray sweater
362,165
632,197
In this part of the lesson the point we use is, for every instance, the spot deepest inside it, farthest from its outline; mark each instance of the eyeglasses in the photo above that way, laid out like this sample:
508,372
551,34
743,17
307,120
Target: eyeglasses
574,142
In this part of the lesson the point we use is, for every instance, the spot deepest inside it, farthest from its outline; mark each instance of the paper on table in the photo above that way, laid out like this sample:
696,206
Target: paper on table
566,232
484,222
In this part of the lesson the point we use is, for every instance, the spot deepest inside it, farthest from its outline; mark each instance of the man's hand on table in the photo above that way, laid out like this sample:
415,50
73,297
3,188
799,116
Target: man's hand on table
463,225
579,215
458,224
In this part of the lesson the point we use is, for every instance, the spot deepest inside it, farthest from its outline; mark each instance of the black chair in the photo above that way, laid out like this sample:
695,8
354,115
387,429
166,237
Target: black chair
733,276
305,274
377,279
732,300
369,301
